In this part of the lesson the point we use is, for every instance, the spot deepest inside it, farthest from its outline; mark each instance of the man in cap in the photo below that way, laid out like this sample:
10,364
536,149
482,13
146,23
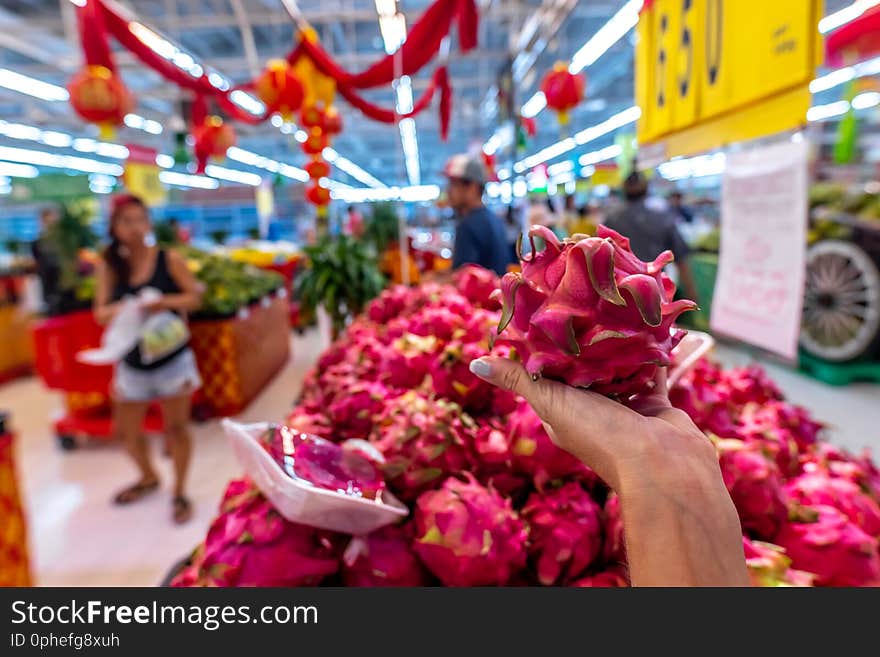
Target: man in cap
480,237
651,232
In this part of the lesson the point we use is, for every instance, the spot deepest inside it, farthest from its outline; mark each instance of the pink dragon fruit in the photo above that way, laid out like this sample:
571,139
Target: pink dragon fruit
469,535
615,577
842,494
614,549
251,545
755,487
535,454
823,541
779,416
406,361
314,423
565,532
769,567
479,327
390,304
838,463
452,378
494,459
423,440
477,285
697,395
591,314
745,385
440,323
353,409
384,558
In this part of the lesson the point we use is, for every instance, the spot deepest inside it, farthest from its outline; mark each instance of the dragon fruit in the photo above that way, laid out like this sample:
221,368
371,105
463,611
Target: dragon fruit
250,544
390,304
781,429
477,285
383,558
535,454
322,463
823,541
614,577
591,314
479,327
614,548
494,460
440,323
314,423
353,409
842,494
452,378
565,532
755,487
423,440
406,361
697,395
744,385
769,567
469,535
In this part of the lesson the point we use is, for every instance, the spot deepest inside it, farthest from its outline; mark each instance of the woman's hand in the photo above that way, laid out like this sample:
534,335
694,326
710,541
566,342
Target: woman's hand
681,527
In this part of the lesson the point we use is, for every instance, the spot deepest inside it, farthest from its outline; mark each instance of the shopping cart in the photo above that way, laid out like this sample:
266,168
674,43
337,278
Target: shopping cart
57,341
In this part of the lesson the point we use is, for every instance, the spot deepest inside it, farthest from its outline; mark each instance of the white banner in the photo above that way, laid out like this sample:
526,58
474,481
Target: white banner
760,287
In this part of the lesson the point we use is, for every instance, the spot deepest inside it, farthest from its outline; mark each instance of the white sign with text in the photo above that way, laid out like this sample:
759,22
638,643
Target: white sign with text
760,287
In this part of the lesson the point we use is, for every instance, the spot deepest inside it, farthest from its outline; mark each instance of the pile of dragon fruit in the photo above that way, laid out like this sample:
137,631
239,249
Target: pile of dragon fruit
492,500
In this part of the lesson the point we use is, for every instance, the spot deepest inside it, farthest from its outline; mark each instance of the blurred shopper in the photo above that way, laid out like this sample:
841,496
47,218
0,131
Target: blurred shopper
570,215
354,222
539,213
480,237
651,232
678,209
514,230
46,258
131,263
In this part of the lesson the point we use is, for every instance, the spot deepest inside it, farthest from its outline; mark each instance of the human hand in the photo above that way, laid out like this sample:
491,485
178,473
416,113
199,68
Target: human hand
680,525
620,443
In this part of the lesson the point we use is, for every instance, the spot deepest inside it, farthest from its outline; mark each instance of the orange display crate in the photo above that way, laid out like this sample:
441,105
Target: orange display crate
14,563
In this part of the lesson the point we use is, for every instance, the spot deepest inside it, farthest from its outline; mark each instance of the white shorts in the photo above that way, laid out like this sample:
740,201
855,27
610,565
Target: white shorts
170,380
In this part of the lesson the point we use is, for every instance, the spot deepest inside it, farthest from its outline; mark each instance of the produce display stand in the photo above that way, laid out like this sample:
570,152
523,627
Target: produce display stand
288,271
14,567
237,356
16,354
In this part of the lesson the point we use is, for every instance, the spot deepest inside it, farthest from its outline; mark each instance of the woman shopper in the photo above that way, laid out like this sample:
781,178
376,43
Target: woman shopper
680,525
131,263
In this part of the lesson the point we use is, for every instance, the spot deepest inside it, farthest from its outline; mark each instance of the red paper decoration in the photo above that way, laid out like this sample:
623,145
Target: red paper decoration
317,195
317,169
98,95
563,90
212,139
280,89
312,116
332,121
316,142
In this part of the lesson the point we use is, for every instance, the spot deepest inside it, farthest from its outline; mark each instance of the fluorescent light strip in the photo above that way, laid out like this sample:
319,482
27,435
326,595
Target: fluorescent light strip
18,170
844,75
41,158
233,175
607,153
410,194
534,105
140,123
822,112
352,169
177,179
261,162
609,34
31,86
693,167
845,15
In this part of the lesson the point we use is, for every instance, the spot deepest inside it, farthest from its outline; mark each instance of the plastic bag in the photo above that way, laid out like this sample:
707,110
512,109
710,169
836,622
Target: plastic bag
162,334
123,333
301,501
692,348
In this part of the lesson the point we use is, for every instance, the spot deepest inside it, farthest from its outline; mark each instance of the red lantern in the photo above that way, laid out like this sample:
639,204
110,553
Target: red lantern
316,142
312,117
317,195
98,95
280,89
318,169
563,90
332,121
212,139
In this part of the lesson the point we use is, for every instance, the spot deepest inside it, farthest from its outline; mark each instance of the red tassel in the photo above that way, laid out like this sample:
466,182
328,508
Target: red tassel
93,35
442,78
468,24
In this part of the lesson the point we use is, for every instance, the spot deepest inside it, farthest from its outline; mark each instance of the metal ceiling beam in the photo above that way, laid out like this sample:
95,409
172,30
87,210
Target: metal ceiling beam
247,37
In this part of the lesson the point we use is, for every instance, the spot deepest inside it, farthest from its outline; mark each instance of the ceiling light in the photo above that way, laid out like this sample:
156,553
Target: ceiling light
178,179
31,86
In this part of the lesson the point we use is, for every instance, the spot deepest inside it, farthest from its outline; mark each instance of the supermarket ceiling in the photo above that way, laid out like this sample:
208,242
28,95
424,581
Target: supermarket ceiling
235,37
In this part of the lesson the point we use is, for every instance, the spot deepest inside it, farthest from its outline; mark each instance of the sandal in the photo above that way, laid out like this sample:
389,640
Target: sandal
136,492
182,509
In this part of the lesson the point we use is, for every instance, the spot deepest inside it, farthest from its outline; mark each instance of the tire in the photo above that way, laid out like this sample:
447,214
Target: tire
841,316
67,443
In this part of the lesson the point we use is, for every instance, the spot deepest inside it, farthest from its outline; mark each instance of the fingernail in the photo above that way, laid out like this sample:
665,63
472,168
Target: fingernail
481,368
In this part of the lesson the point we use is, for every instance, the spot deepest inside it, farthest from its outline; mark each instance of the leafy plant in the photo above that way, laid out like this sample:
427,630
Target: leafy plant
342,276
253,233
218,236
13,246
382,228
165,233
71,233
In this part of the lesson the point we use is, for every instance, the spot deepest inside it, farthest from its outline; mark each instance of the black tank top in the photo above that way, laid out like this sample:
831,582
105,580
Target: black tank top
164,282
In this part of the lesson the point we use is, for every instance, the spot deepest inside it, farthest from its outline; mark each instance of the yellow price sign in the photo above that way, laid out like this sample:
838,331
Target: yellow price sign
142,180
742,67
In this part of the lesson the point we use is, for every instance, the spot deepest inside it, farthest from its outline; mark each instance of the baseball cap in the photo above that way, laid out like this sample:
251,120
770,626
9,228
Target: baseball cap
466,167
